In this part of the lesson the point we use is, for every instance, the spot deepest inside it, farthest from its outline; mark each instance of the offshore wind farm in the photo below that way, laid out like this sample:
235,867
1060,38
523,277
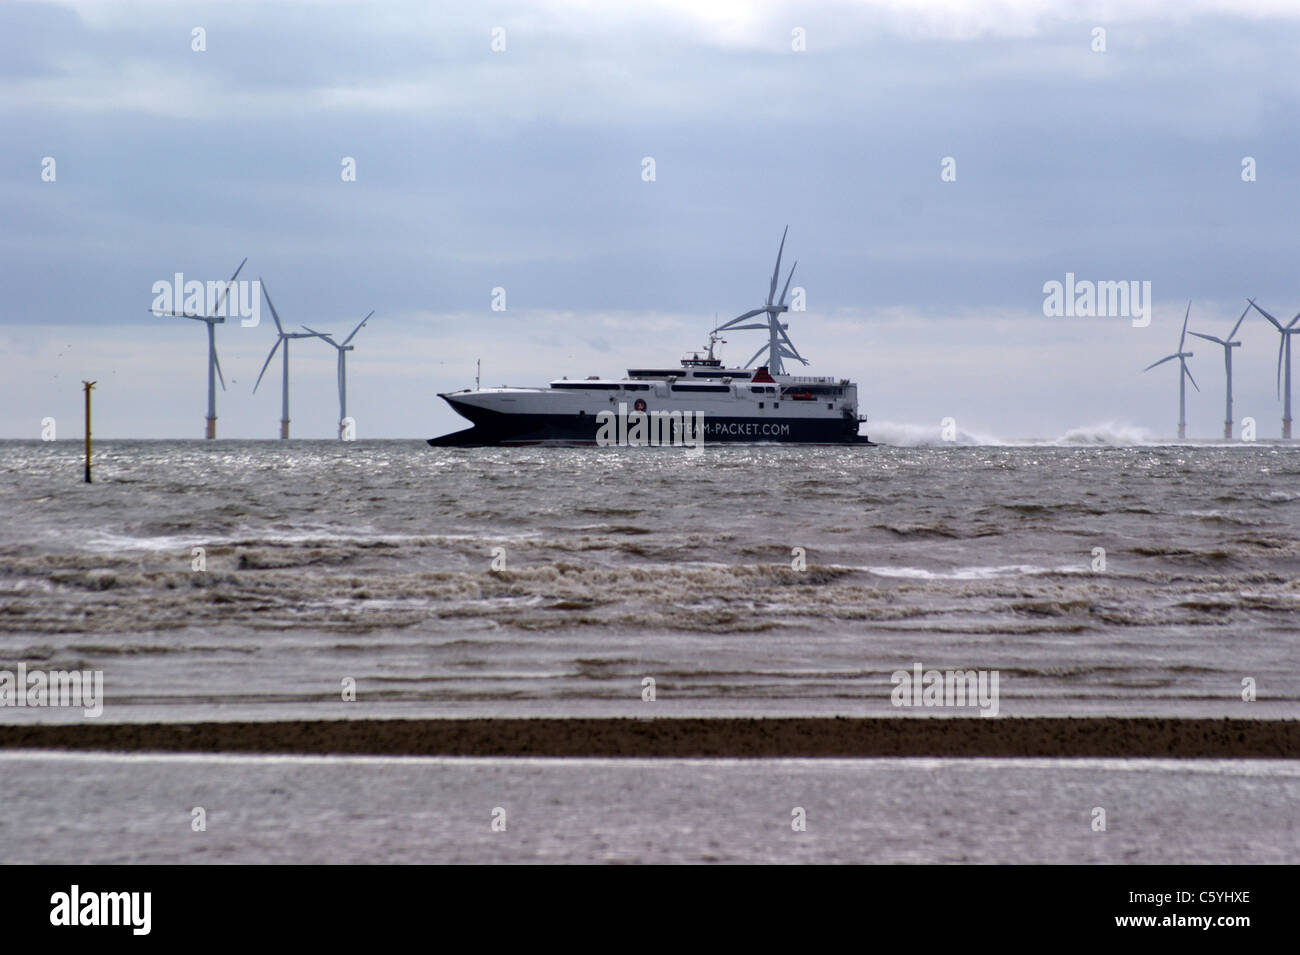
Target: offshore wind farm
1185,375
779,348
221,299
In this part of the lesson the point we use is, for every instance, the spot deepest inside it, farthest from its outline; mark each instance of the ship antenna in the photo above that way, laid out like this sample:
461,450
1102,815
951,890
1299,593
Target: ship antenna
713,337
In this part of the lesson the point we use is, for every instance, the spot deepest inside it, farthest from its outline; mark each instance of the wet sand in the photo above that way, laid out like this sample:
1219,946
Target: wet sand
681,737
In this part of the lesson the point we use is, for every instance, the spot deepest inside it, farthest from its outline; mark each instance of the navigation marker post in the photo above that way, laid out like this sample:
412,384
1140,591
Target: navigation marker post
86,386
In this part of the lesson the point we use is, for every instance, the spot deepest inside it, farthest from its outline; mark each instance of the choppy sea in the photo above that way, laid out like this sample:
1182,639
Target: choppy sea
758,580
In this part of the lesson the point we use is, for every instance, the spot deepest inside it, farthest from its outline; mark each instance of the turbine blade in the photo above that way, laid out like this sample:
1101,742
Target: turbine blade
324,335
274,314
756,354
1160,362
221,301
1276,323
740,318
1182,338
269,356
771,292
1244,313
1210,338
781,300
792,351
1187,371
358,328
217,361
1291,323
742,328
193,318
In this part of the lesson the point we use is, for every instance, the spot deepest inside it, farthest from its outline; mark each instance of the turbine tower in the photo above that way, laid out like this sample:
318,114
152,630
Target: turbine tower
778,342
1286,331
343,350
281,337
1228,346
214,366
1182,357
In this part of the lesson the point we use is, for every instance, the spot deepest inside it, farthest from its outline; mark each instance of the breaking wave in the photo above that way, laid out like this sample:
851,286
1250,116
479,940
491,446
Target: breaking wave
929,436
1109,433
1106,434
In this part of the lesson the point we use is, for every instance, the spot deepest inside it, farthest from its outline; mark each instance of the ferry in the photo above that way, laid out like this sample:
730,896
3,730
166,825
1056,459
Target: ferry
755,405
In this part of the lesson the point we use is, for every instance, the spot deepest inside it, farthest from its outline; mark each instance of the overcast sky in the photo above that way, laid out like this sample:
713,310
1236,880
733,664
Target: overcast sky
523,169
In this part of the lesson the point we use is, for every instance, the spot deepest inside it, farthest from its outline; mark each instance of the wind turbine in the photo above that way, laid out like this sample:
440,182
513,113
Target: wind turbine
343,350
281,337
214,366
1228,346
1286,332
778,342
1182,357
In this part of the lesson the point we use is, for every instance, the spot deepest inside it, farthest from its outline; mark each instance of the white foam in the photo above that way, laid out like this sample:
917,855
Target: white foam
1107,433
1103,434
928,436
960,573
108,542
